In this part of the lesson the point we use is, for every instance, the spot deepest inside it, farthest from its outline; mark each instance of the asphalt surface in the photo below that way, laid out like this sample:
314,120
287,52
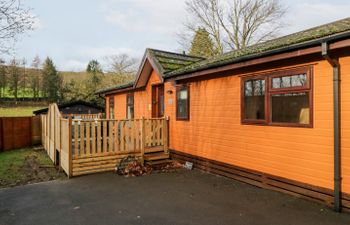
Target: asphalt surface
184,197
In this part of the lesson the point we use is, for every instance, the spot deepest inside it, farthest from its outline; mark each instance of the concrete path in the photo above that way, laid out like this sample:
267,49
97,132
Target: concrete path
159,199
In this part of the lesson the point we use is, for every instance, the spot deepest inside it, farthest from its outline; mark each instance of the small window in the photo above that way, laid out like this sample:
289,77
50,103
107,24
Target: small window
111,107
282,98
130,106
254,99
182,103
290,81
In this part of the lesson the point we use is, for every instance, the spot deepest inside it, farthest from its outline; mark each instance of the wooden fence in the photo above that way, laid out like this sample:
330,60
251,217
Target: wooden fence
84,146
19,132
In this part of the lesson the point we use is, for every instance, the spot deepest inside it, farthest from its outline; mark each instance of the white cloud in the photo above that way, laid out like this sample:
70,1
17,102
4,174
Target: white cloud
158,16
38,24
79,61
72,65
307,14
129,26
99,53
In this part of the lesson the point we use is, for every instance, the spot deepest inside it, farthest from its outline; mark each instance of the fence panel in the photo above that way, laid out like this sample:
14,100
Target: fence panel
16,132
51,138
36,130
57,128
65,151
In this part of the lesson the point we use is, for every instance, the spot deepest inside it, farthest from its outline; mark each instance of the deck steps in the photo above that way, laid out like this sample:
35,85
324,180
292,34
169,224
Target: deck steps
158,162
156,156
154,149
93,170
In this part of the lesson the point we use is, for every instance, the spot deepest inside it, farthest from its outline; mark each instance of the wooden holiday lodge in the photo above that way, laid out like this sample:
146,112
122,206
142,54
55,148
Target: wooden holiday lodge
275,115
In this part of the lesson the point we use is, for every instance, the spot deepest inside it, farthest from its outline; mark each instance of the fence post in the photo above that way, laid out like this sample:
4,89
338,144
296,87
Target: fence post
70,155
143,138
165,134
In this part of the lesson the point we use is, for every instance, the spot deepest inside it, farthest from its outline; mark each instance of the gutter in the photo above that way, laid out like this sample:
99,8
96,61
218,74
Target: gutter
334,62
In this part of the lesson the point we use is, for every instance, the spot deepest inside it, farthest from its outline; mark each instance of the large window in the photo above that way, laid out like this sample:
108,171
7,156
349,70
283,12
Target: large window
182,103
281,98
111,107
130,106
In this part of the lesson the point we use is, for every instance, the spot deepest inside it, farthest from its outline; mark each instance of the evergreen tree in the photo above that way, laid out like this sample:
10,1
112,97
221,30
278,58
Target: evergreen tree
51,80
95,71
94,81
202,45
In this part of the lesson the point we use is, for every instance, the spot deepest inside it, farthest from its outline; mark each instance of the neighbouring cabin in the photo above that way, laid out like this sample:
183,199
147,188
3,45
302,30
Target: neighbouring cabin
77,109
270,115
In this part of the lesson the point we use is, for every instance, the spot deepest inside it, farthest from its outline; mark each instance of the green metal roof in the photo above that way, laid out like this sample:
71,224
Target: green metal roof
170,61
122,86
171,64
316,33
164,61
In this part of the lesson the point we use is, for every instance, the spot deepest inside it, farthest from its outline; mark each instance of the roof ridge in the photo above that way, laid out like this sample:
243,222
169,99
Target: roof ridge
287,35
176,53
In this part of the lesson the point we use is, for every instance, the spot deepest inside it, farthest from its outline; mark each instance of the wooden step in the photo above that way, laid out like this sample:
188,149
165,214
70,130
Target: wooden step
156,156
159,162
92,171
154,149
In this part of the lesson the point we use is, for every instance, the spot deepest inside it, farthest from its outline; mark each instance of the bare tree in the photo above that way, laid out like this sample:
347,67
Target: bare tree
121,64
235,24
35,78
15,19
205,14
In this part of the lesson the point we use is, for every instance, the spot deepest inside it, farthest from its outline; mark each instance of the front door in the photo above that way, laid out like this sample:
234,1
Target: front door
158,101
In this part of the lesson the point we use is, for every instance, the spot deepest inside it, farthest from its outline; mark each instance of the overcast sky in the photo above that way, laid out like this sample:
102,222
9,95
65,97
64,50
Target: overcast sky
74,31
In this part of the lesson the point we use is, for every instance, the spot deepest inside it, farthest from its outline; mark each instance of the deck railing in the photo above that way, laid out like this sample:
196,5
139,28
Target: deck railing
92,145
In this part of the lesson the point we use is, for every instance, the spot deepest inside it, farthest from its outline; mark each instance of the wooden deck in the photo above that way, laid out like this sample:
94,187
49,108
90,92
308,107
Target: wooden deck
84,146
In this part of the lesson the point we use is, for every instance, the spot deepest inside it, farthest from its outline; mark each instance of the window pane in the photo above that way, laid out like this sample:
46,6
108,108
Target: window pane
130,106
290,108
111,108
182,103
130,112
183,95
299,80
130,99
254,99
161,99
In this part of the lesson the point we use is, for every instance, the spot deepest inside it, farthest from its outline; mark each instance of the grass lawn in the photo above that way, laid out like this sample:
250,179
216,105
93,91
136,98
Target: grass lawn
18,111
23,166
22,93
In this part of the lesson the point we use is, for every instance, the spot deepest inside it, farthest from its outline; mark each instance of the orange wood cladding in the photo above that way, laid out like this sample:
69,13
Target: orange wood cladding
215,131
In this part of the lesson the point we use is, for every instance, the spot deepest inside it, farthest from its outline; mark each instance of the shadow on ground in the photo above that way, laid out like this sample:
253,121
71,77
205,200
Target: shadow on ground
184,197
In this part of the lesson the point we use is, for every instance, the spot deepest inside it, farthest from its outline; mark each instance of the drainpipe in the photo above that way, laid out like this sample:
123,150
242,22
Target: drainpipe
336,125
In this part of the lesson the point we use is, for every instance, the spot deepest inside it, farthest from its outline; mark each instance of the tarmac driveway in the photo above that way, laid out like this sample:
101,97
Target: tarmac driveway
184,197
